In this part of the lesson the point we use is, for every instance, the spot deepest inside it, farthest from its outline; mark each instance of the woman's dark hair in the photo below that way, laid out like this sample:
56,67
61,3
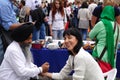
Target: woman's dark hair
23,2
54,9
74,32
84,5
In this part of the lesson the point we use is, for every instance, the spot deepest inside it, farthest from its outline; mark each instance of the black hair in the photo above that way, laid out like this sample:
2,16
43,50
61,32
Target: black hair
75,32
84,5
23,2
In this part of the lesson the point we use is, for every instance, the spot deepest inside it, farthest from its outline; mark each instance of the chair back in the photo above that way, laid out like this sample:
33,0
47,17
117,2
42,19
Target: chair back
110,74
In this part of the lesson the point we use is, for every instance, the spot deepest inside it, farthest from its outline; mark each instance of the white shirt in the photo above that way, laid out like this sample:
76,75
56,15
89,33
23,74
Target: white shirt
15,66
83,14
85,68
68,10
33,3
58,22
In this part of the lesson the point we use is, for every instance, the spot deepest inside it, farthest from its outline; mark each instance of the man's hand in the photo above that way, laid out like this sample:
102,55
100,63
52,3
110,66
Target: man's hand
45,67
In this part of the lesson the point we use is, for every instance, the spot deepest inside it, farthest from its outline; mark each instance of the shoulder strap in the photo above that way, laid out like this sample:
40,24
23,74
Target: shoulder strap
104,49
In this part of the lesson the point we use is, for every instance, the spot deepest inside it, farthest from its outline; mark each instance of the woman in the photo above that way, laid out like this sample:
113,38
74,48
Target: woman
106,33
79,61
22,14
57,20
84,17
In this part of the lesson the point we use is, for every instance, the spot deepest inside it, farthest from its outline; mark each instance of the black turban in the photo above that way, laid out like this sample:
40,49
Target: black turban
22,32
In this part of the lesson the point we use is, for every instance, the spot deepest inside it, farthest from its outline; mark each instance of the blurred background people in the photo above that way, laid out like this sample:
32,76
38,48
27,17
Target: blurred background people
98,10
68,11
75,10
17,63
7,20
84,17
80,61
23,12
57,20
34,10
91,8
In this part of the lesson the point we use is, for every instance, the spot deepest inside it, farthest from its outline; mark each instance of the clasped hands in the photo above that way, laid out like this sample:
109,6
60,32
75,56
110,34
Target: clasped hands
45,68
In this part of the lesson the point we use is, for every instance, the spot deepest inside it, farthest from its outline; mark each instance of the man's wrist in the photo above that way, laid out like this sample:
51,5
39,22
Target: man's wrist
41,70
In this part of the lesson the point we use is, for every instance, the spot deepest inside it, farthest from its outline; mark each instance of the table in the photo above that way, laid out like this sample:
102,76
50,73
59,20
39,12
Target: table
57,58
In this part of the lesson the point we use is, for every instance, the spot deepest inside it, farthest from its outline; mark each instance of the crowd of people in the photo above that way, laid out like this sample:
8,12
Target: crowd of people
30,20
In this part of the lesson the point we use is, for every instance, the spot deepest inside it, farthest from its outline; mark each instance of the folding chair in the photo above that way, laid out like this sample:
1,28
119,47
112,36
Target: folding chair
110,74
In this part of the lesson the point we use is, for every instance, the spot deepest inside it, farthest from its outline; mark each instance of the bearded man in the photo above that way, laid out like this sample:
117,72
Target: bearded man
17,63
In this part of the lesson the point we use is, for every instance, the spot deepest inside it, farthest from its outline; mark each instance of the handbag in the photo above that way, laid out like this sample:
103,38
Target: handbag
6,37
105,67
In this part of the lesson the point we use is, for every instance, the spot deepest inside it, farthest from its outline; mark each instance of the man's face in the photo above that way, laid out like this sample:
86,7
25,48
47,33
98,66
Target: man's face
28,41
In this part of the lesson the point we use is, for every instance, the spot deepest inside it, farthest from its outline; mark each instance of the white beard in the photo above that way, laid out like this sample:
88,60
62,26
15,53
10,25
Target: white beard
27,53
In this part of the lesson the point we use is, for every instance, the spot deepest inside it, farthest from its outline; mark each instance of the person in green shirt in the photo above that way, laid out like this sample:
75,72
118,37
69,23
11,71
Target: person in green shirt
106,33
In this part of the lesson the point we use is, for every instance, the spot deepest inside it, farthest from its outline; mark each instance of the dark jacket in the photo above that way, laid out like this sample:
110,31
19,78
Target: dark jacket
38,16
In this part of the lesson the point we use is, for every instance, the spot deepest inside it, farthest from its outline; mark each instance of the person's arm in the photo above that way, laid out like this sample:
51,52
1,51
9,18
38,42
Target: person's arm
50,22
93,20
8,18
96,15
65,71
65,18
15,25
80,68
65,21
117,14
50,27
48,74
118,19
27,10
17,63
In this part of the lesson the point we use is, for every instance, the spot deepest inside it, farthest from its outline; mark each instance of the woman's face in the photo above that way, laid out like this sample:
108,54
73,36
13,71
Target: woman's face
70,42
57,4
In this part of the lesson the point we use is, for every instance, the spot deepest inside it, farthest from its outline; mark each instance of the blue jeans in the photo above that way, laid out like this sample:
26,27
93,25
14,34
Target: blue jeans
1,51
35,34
58,34
84,33
39,34
42,31
75,22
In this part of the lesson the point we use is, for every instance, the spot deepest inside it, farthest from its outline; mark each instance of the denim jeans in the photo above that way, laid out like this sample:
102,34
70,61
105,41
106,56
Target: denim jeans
1,51
42,33
35,34
58,34
75,22
39,34
84,33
